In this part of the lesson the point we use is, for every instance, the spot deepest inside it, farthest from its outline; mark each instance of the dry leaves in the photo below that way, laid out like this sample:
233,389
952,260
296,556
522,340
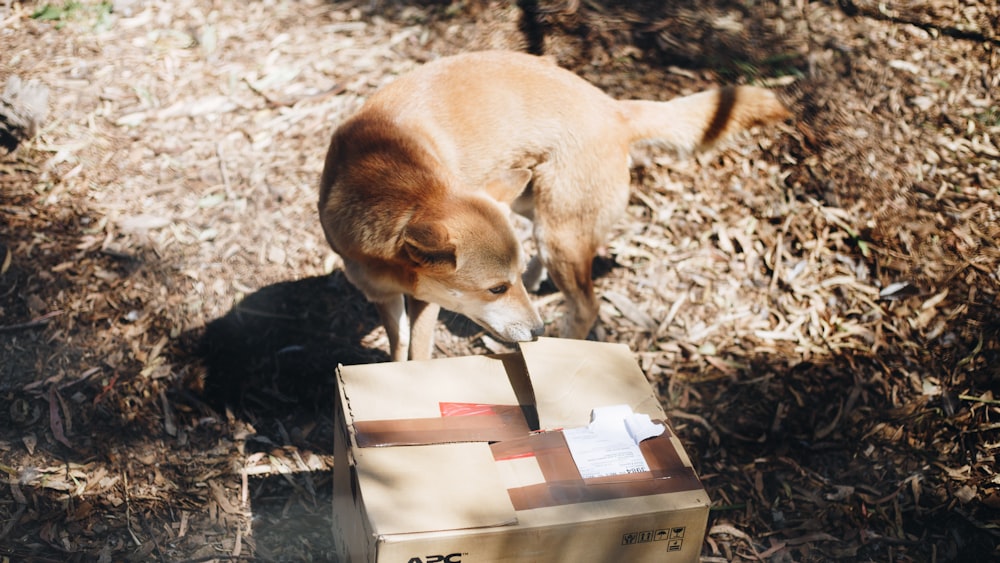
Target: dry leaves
816,303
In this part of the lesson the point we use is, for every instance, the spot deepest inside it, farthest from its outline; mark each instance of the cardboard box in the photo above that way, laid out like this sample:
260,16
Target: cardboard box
494,458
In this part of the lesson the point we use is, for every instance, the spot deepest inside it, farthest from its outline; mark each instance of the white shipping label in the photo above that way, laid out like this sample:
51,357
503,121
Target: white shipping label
609,445
600,454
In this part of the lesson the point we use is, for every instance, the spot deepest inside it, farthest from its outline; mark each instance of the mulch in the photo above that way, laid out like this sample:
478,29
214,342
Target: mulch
816,303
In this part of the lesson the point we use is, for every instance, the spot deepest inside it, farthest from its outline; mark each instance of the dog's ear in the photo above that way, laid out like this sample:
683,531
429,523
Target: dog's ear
428,245
508,184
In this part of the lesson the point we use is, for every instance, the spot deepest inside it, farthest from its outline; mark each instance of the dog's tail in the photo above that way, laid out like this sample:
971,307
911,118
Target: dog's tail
691,123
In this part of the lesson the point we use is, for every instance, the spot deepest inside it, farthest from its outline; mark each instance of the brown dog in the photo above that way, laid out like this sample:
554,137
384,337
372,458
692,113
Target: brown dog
418,187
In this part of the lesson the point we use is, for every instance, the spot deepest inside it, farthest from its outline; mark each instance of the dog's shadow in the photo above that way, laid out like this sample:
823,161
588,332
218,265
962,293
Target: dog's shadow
276,350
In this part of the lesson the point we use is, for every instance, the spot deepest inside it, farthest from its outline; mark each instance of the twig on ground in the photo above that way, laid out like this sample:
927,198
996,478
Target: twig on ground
37,322
128,510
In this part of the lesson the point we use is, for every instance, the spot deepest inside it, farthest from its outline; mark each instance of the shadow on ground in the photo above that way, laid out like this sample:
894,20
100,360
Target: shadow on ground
270,363
275,352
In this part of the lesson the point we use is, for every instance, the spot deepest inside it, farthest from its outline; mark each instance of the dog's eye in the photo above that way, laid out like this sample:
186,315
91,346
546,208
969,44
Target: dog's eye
499,290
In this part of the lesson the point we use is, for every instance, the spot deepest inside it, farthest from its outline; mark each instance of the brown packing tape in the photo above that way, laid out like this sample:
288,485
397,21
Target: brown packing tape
505,422
548,494
507,428
564,485
550,451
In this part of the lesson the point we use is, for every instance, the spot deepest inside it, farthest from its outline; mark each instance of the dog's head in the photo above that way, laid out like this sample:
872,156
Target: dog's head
467,259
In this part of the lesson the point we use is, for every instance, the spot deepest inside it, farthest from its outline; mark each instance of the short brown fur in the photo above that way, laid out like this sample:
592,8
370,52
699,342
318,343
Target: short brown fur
419,184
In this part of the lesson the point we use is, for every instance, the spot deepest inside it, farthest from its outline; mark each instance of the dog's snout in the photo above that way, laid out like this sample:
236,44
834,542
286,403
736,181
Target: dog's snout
522,332
538,330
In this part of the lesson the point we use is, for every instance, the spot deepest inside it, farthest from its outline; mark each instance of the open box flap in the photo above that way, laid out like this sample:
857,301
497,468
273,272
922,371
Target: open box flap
571,377
416,390
432,488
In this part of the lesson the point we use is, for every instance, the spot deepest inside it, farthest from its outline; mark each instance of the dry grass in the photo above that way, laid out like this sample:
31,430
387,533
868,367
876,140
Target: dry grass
817,303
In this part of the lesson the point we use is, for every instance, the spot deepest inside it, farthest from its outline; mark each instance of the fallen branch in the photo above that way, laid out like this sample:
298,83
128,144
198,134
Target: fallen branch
985,400
879,11
33,323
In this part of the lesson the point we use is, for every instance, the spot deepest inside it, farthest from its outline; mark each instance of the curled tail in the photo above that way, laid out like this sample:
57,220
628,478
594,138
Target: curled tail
695,122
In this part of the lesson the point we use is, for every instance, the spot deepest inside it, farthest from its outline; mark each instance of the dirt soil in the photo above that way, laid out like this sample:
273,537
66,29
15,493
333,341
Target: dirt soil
816,303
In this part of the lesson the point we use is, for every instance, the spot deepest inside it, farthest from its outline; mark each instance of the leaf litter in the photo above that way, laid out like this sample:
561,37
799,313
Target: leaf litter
816,303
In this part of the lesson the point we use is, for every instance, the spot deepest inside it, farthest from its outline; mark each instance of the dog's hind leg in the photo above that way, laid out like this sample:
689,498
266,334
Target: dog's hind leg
423,319
570,269
577,203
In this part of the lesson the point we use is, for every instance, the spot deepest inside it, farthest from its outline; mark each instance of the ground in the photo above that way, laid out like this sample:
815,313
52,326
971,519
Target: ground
816,303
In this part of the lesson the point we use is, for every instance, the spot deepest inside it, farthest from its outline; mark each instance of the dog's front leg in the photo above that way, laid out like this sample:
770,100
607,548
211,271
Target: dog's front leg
423,319
392,311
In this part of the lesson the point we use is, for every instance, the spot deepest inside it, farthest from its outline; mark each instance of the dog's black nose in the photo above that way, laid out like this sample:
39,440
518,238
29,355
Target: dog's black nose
538,331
